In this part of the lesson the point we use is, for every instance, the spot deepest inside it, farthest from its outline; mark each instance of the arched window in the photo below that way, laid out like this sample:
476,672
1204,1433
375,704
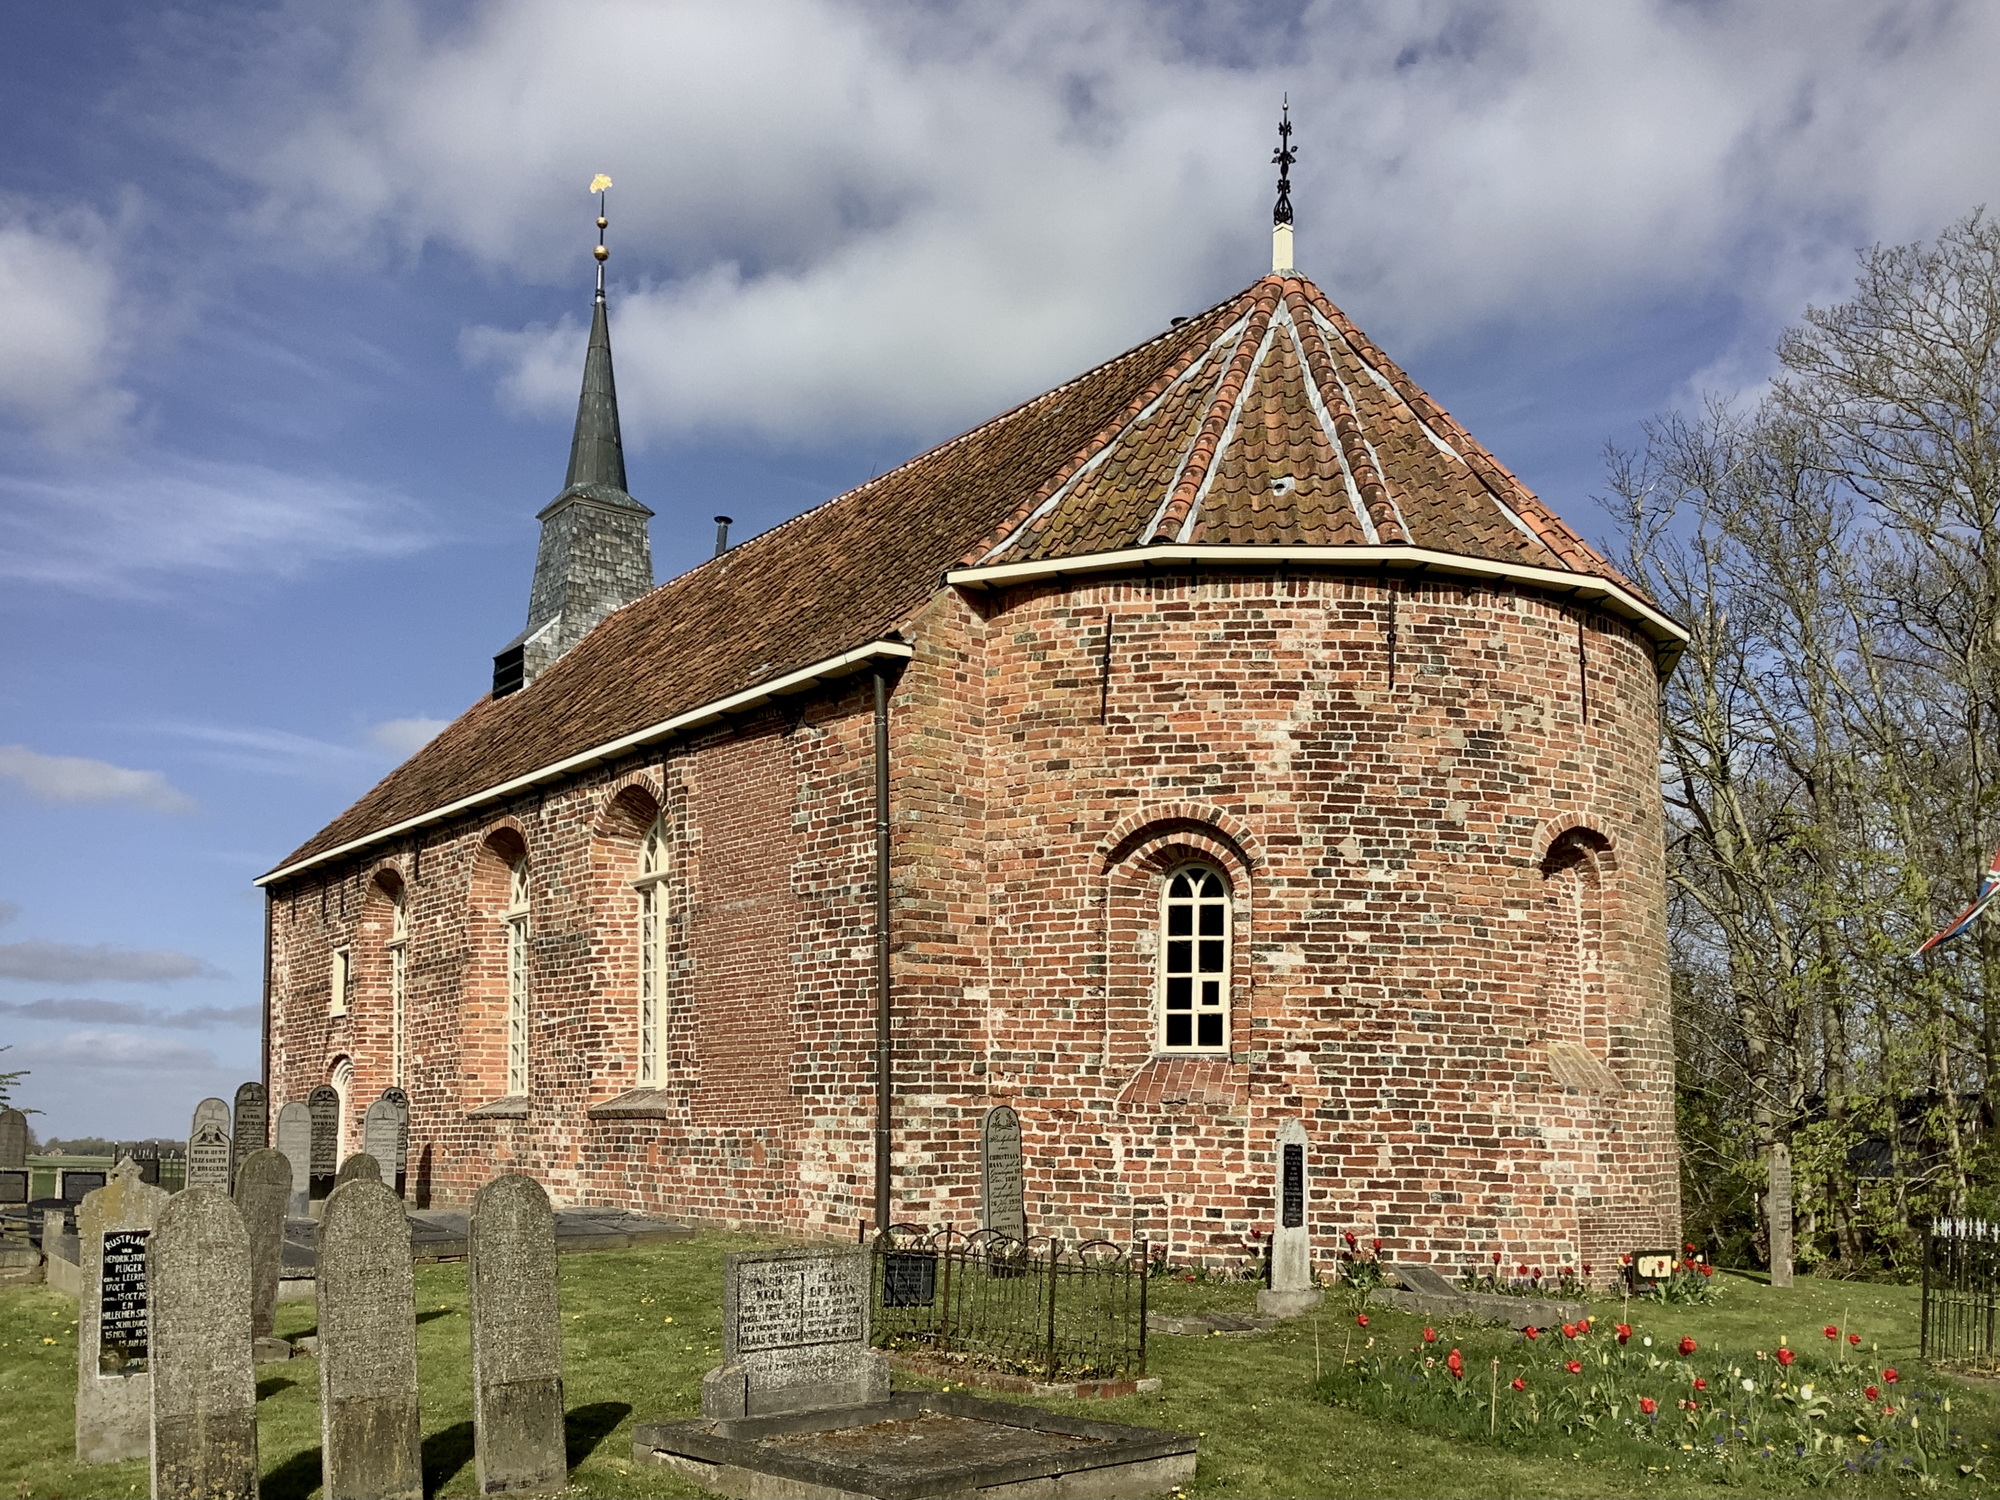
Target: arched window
517,978
1194,960
651,886
399,947
342,1079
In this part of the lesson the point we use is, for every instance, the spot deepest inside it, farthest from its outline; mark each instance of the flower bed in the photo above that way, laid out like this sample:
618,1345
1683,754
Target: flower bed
1816,1416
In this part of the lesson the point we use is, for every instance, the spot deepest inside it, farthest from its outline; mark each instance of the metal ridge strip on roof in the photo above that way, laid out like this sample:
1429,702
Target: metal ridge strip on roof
715,708
1622,600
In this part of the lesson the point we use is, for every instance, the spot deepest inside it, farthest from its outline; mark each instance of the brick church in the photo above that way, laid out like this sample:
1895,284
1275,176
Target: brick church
1219,740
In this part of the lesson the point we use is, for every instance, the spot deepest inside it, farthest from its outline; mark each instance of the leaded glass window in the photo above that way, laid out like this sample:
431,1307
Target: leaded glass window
1194,960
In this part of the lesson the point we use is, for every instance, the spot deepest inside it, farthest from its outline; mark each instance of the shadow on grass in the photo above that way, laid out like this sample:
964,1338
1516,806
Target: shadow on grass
587,1426
445,1453
294,1479
271,1387
434,1313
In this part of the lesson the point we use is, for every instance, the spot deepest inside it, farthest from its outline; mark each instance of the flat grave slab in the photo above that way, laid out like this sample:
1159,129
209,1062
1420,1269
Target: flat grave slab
1203,1325
918,1444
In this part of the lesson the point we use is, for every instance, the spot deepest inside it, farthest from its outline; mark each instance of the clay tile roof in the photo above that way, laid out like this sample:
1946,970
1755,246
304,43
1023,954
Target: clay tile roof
1267,420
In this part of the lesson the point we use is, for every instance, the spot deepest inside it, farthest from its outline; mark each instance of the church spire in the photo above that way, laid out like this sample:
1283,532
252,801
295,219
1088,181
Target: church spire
1281,214
595,555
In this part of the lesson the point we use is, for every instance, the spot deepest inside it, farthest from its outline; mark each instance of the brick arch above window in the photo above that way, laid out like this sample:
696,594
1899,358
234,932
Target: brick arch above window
629,807
1200,827
1565,841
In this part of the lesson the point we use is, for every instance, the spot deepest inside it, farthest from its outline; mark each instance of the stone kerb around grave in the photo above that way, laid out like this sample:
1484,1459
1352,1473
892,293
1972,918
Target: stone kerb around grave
204,1391
794,1335
517,1385
114,1383
370,1432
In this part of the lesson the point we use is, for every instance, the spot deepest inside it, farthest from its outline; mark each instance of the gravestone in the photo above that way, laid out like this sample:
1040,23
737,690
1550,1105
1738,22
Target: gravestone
13,1185
295,1143
360,1167
208,1159
323,1105
1291,1291
147,1155
370,1439
211,1112
383,1131
13,1138
400,1098
252,1131
74,1184
1002,1203
794,1335
204,1399
114,1389
517,1385
263,1192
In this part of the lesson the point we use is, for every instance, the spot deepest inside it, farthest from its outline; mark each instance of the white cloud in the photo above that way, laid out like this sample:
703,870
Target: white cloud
834,217
126,1013
72,778
118,1051
60,319
403,738
130,527
79,963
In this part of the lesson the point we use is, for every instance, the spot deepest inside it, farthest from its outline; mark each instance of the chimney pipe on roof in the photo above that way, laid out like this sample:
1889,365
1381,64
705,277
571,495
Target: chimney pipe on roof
721,535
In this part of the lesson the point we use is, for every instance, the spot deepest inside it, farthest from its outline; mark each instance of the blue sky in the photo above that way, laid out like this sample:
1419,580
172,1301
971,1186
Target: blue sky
293,297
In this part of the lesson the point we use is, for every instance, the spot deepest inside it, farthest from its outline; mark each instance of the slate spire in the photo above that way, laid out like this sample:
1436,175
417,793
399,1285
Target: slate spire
595,555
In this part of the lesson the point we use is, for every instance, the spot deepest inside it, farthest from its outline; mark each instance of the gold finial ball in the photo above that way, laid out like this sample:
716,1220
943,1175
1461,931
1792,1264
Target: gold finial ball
602,221
601,253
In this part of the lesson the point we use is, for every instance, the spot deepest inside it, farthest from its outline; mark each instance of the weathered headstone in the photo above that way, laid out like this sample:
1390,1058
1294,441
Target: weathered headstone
14,1185
360,1167
204,1397
263,1192
517,1385
794,1335
114,1389
401,1161
1291,1291
13,1138
323,1105
370,1439
381,1137
252,1128
208,1159
74,1184
1002,1201
295,1142
211,1112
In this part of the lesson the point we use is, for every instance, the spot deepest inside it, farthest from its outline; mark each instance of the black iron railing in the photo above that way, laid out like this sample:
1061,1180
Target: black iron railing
1961,1289
1033,1307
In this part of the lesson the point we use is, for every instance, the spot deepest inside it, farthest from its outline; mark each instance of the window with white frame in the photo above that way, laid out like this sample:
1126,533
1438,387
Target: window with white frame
517,979
399,946
1194,960
340,982
342,1079
652,888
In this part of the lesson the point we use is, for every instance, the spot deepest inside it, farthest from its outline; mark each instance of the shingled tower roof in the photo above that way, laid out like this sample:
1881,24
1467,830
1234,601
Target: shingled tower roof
1268,428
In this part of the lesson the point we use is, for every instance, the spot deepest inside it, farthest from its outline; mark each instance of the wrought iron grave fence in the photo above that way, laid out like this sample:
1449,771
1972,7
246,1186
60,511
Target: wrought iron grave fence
1028,1307
1961,1288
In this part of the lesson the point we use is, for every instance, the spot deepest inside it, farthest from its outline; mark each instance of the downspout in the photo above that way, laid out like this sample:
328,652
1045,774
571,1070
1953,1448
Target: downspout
883,1078
265,1075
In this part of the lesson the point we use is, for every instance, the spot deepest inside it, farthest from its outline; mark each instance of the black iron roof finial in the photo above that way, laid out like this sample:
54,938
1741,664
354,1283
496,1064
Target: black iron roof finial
1283,157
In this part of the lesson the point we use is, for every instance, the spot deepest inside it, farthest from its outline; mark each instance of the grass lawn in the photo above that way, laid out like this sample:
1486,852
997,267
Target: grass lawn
641,1326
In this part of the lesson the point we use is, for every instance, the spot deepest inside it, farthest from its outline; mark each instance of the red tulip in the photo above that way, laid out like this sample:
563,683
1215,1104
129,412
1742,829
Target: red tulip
1377,1244
1455,1362
1830,1331
1707,1270
1888,1411
1785,1357
1687,1347
1362,1319
1700,1384
1569,1330
1350,1239
1496,1257
1689,1247
1533,1333
1624,1331
1694,1406
1854,1339
1574,1366
1520,1384
1430,1335
1872,1392
1586,1268
1648,1405
1889,1376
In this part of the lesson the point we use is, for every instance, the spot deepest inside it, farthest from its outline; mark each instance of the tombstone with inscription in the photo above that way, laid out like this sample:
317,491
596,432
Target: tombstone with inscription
1291,1291
114,1391
252,1130
295,1144
794,1335
1003,1205
517,1385
74,1184
13,1139
370,1438
208,1159
359,1167
204,1405
323,1107
211,1112
263,1191
383,1130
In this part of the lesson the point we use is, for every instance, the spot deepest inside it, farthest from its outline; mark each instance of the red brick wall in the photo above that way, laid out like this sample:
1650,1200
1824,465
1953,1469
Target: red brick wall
1403,957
